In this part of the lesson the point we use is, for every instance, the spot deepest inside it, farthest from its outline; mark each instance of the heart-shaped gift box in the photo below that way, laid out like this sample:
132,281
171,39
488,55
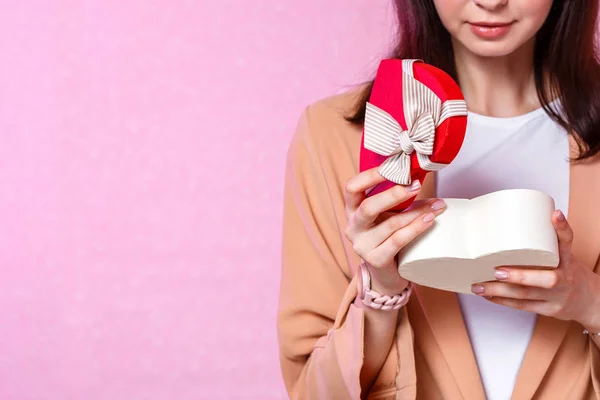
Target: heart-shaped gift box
415,123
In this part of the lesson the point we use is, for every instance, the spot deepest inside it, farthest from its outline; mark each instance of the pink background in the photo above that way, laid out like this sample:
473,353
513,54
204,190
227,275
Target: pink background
141,170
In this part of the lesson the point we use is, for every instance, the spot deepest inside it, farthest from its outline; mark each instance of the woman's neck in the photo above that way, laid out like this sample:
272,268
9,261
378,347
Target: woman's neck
497,86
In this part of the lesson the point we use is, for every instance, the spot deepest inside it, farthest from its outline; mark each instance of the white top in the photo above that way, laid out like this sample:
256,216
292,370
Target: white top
529,151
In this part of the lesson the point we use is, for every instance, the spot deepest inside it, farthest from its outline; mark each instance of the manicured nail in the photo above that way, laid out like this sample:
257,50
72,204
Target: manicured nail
438,205
560,216
499,274
414,186
428,218
477,289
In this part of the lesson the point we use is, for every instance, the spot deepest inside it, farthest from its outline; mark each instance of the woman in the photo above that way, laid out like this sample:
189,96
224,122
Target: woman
531,80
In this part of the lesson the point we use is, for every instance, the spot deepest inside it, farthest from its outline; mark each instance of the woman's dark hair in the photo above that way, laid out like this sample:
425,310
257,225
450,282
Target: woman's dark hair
565,60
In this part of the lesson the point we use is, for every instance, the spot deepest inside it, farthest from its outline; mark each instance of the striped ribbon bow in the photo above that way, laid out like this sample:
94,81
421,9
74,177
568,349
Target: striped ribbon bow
423,112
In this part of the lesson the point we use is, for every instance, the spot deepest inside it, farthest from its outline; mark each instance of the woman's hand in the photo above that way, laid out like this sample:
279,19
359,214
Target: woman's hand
569,292
377,236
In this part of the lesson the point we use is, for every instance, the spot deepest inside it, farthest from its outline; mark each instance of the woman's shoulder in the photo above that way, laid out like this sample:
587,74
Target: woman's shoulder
326,146
324,121
338,106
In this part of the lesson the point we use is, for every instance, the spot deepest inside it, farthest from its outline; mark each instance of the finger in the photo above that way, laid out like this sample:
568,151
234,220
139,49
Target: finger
535,306
546,279
383,254
358,184
565,237
386,228
510,290
414,205
373,206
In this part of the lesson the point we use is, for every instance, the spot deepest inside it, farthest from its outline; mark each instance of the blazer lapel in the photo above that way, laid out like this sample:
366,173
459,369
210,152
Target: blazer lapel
583,214
443,315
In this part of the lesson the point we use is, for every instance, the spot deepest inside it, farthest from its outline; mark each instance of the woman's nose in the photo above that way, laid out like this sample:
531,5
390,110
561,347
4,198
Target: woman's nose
490,5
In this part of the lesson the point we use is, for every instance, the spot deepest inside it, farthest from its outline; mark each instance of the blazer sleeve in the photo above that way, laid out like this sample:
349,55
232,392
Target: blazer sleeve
320,330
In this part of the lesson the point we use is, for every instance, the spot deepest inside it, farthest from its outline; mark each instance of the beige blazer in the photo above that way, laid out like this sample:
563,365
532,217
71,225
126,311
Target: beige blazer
320,331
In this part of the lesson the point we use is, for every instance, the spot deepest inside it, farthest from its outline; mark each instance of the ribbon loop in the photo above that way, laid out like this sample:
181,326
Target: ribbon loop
423,112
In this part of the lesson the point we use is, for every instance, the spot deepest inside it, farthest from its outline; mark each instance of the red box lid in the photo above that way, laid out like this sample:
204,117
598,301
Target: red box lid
419,89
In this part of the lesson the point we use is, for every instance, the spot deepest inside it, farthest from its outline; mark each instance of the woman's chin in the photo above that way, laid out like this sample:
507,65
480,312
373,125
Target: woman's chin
490,49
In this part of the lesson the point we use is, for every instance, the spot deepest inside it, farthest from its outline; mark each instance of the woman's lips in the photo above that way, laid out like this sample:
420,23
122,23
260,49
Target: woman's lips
489,30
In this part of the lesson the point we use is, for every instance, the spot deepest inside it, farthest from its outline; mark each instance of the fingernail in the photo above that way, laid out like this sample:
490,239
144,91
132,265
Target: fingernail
477,289
438,205
501,274
414,186
560,216
428,218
